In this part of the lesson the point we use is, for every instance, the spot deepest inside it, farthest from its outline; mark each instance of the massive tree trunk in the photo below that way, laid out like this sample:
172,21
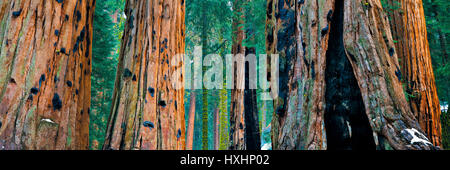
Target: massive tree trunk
351,66
45,67
237,124
409,29
294,32
148,107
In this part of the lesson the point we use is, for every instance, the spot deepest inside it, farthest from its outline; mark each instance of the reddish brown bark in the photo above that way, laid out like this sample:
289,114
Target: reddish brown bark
216,129
409,29
303,101
297,37
237,124
45,67
148,111
191,123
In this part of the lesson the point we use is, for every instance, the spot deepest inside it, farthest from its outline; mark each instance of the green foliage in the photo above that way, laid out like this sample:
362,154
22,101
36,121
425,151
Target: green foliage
438,28
215,32
105,47
217,38
206,21
255,24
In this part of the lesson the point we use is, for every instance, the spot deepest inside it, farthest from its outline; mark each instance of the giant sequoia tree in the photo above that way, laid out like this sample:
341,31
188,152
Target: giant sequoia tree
45,67
340,84
148,111
409,29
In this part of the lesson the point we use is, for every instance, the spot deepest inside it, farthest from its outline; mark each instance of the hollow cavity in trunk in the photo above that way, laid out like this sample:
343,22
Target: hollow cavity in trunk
347,125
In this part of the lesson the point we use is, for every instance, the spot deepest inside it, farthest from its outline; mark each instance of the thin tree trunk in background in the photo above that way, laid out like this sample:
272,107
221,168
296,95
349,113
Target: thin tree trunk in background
223,128
442,43
237,124
191,123
148,99
45,74
442,38
305,104
409,28
263,121
216,129
204,39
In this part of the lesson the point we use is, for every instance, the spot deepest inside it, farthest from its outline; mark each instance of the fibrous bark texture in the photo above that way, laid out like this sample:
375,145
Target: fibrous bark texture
45,68
315,107
237,124
367,40
409,29
298,32
148,107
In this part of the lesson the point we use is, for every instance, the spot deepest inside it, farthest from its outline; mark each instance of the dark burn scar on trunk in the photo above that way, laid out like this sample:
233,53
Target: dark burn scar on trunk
149,124
127,73
162,103
16,14
151,91
34,90
56,101
346,123
179,134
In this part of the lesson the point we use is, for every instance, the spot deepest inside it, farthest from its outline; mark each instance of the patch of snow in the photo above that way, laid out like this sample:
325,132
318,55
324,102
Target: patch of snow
415,139
47,120
444,107
266,146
